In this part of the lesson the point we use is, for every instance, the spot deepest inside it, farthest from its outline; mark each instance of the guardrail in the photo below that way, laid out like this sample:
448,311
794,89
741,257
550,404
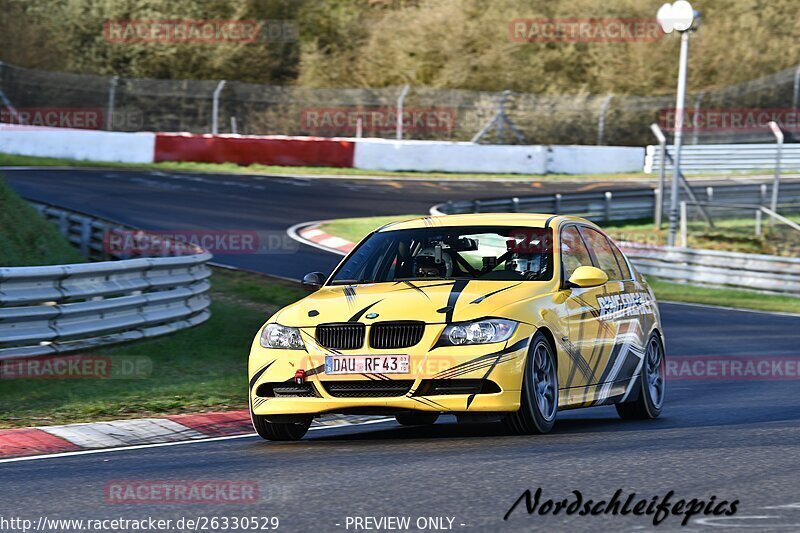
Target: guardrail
54,309
92,235
726,157
711,267
621,205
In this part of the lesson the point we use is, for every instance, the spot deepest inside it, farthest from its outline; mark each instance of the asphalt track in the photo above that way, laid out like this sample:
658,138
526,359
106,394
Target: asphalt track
729,439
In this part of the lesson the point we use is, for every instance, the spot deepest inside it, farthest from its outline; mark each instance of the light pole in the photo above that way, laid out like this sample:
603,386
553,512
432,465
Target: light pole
679,17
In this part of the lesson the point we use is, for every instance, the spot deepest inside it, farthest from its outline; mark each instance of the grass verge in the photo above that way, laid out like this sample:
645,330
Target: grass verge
195,370
28,239
25,160
354,229
733,235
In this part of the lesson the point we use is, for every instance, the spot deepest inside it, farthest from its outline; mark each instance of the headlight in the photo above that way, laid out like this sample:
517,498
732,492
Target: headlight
277,336
480,332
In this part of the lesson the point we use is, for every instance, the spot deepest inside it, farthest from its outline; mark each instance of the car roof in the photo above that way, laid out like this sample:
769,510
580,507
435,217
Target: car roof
530,220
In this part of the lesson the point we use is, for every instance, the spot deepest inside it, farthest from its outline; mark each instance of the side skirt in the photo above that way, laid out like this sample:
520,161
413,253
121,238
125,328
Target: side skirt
599,394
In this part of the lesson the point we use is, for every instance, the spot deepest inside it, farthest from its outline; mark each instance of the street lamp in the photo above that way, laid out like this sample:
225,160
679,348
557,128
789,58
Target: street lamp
678,16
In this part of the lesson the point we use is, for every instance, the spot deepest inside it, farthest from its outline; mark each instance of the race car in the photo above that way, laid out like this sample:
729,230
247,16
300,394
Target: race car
509,317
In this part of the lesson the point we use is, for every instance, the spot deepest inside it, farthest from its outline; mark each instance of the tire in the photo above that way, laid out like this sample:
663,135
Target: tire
279,431
539,395
417,419
652,385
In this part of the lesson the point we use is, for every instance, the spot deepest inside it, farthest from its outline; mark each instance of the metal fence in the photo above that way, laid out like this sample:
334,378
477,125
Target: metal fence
54,309
622,205
711,267
130,104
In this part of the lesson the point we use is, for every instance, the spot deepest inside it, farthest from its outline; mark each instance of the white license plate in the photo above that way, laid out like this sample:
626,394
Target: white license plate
366,364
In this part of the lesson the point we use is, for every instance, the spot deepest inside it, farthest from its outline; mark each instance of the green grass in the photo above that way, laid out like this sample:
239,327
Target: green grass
24,160
733,235
26,238
354,229
200,369
254,289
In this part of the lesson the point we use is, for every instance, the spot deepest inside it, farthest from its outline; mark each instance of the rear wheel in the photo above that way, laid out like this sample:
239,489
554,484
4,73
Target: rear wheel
539,396
417,419
279,431
652,385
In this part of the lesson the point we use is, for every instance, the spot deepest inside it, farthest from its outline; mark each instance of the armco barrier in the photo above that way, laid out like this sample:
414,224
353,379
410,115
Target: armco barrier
246,150
54,309
726,157
82,145
711,267
624,204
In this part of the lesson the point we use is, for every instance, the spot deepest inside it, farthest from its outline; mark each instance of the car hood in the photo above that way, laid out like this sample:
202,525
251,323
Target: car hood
434,301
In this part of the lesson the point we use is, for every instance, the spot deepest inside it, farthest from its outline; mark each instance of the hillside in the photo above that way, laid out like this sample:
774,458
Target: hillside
454,44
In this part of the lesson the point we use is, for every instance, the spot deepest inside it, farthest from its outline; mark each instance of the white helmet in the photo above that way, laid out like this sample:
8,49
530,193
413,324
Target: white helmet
433,262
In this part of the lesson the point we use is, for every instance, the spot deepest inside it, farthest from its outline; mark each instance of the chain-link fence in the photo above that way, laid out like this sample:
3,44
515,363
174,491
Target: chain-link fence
129,104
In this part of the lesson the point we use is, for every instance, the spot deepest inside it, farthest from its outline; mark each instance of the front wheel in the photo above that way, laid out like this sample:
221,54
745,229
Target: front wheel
539,395
279,431
652,385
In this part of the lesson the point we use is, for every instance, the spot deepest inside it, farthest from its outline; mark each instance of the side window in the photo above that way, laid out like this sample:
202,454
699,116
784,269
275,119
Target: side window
606,261
573,251
623,265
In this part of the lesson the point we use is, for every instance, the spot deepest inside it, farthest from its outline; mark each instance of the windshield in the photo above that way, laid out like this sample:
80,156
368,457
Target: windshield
466,252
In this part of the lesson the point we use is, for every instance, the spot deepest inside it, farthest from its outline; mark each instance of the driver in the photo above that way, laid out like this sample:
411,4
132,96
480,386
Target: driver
433,262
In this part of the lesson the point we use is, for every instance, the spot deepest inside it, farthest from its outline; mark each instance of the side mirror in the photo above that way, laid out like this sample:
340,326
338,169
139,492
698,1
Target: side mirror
587,276
313,281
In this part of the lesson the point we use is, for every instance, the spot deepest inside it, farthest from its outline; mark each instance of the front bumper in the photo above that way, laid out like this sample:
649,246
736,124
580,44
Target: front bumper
491,375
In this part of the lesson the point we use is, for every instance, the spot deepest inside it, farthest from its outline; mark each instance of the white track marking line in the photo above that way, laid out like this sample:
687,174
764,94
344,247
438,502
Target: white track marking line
164,444
708,306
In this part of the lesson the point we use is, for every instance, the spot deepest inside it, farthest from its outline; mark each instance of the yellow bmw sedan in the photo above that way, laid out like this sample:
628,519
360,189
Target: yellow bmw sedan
509,317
